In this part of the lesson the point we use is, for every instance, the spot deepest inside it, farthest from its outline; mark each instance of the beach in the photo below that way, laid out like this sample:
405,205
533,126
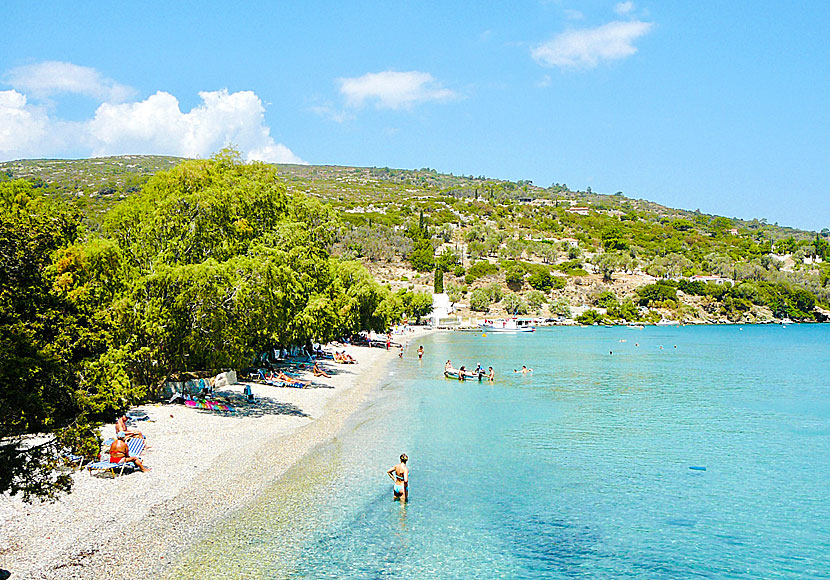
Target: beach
204,466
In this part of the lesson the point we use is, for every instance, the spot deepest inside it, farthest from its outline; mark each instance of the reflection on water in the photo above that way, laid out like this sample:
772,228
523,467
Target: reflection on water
579,470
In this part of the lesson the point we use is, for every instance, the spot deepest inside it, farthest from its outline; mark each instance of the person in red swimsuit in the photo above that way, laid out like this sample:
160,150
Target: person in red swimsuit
120,453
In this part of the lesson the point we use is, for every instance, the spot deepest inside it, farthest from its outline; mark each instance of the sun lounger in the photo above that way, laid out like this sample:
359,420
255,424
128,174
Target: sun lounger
135,446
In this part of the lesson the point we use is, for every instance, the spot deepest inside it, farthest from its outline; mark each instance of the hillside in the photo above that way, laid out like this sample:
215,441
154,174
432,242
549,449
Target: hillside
516,247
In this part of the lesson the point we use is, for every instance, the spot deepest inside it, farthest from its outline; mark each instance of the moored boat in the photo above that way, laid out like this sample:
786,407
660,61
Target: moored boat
508,325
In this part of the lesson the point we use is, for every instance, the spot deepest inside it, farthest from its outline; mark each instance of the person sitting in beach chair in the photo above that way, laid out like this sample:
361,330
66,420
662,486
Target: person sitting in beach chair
121,427
318,372
120,453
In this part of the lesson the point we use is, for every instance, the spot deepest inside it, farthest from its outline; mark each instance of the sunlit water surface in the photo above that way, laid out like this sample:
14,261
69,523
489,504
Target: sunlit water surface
578,470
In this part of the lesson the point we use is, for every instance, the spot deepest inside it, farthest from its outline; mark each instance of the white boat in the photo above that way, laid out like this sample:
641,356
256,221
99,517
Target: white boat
507,325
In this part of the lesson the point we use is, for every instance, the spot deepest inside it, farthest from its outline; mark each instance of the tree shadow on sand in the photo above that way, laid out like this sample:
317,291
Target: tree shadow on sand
260,406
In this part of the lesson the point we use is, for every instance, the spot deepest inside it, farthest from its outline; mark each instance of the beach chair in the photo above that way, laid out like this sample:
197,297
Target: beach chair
135,446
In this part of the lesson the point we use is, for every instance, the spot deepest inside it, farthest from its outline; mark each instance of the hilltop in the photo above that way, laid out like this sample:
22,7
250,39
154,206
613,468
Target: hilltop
515,247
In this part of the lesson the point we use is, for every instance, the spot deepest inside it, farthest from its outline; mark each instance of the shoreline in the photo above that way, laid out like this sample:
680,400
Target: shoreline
205,467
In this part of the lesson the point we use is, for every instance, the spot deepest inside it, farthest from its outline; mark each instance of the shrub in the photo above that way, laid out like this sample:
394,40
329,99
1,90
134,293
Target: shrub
659,292
479,300
589,317
606,299
514,275
458,271
542,281
479,270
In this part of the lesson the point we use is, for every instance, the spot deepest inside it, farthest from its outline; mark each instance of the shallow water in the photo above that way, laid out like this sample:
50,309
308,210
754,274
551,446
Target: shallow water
581,469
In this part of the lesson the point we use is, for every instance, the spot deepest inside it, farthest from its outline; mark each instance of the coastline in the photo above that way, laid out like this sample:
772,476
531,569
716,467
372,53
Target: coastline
204,467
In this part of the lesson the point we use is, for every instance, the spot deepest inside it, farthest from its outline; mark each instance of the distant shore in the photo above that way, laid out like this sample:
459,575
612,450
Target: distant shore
204,467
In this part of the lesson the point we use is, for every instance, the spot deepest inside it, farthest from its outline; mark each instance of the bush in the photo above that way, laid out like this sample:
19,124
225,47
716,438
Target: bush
479,300
659,292
542,281
606,299
589,317
458,271
514,275
479,270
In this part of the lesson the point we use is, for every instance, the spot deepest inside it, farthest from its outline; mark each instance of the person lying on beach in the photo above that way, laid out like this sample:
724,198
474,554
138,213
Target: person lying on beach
121,427
281,376
120,453
344,358
318,372
400,475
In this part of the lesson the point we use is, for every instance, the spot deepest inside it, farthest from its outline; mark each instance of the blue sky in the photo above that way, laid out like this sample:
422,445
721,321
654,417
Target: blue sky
721,106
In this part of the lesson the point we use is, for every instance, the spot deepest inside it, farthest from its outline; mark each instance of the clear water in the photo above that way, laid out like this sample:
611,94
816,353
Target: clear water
580,470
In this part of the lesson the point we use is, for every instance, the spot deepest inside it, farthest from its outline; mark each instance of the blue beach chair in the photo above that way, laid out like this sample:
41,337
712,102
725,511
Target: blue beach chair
135,446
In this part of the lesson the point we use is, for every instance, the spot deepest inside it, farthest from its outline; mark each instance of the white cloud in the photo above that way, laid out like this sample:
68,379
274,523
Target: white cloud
157,125
393,90
623,8
21,125
49,78
586,48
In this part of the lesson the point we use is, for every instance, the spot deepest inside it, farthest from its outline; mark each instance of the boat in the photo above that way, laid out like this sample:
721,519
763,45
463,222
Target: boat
453,374
507,325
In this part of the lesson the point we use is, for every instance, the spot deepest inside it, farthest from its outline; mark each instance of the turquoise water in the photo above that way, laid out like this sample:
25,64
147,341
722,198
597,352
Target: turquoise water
580,470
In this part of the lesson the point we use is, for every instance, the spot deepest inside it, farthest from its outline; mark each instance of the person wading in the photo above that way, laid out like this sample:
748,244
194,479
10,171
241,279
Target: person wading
400,476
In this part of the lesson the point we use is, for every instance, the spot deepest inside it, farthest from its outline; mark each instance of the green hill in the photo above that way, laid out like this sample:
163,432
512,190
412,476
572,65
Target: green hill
420,219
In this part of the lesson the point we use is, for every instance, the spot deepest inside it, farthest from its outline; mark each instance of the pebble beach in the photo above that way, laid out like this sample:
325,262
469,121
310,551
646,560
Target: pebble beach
204,466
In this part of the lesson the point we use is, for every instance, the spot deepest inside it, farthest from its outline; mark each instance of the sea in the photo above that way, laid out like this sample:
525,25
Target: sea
662,452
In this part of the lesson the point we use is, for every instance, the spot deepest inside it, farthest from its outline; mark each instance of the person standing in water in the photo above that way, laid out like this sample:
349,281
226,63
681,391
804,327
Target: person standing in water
400,475
420,352
491,375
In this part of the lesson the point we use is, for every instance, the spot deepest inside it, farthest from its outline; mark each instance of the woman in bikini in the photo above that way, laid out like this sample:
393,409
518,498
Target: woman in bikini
400,475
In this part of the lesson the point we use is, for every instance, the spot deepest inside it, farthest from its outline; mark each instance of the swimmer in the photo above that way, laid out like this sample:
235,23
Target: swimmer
400,475
524,370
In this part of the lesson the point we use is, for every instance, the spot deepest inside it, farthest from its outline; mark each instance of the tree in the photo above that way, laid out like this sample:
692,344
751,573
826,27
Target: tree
589,317
479,300
422,257
535,299
514,276
541,280
514,304
447,260
608,263
438,281
43,343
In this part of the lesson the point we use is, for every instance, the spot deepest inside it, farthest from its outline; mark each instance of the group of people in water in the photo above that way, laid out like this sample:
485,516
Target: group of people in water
462,372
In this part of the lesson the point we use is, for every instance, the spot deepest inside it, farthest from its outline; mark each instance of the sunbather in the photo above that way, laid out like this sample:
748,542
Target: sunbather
281,376
318,372
121,427
120,453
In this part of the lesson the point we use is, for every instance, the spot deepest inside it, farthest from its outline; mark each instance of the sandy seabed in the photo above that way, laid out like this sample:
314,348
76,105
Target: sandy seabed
204,467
